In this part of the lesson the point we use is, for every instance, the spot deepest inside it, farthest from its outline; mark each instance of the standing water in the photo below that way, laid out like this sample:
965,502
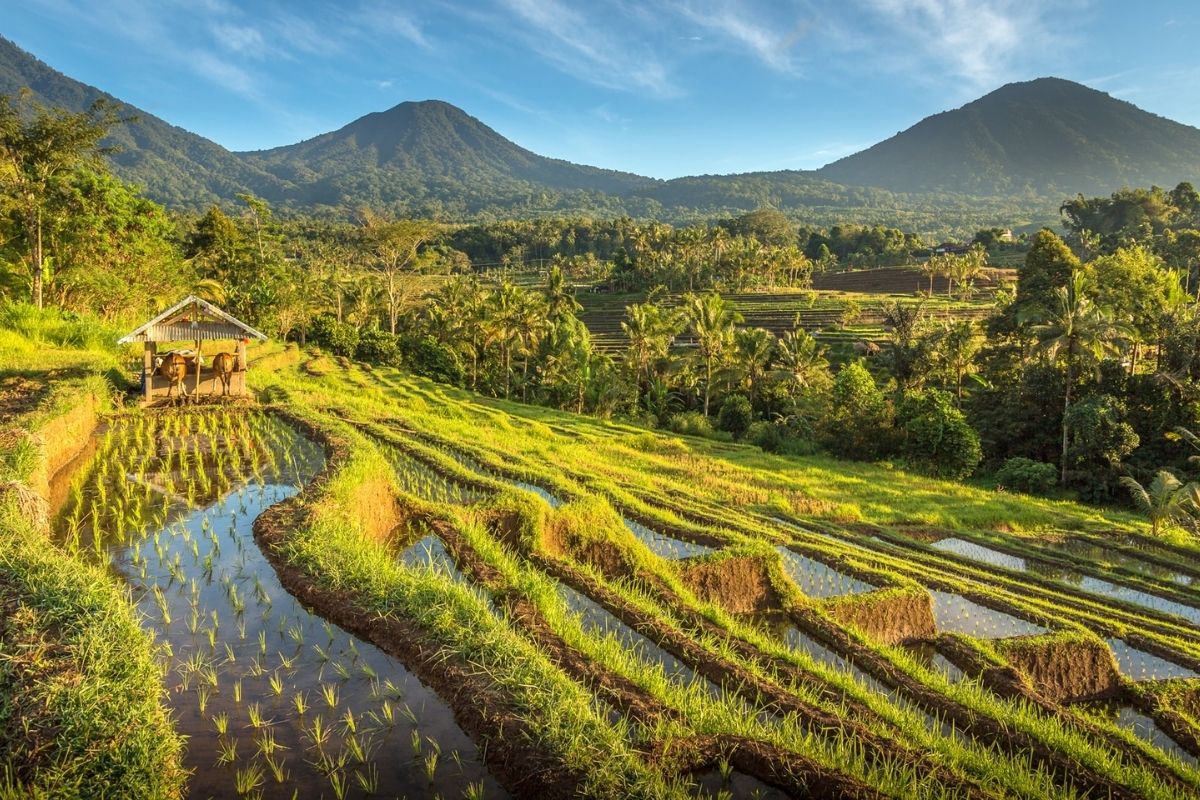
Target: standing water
275,701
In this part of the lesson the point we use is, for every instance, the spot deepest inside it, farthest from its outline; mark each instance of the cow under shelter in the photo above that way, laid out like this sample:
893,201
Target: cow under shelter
204,368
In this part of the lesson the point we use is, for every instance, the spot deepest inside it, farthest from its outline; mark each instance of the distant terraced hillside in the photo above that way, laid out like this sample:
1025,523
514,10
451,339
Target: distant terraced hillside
820,313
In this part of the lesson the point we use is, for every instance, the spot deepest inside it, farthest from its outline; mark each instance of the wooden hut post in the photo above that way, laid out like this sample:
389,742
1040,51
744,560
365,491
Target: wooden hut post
241,365
148,354
196,383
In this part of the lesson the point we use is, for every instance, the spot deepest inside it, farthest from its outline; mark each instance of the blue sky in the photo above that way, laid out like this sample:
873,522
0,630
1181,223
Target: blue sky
660,87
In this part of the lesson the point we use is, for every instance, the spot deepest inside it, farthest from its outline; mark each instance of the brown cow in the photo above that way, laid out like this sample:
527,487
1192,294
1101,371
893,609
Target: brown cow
224,364
174,367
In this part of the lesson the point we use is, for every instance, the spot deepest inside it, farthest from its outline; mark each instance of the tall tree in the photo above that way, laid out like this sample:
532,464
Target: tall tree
395,245
712,320
560,302
1076,331
42,150
754,347
1049,265
650,330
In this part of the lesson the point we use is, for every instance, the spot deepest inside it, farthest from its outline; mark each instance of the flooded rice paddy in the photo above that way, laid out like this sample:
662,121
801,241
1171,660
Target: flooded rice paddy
274,700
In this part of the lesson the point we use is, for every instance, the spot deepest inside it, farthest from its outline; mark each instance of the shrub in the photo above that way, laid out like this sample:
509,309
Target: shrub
691,423
859,424
339,338
426,356
766,435
735,415
1026,475
938,440
377,346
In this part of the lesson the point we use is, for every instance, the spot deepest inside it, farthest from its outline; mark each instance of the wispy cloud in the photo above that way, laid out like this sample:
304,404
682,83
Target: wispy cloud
244,40
744,27
979,42
586,48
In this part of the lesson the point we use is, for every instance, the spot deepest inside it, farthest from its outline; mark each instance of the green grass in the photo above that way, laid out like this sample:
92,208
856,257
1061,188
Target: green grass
81,693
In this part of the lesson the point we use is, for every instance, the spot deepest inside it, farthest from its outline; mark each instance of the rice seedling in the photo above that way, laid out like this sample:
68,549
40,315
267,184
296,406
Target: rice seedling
249,779
318,733
430,765
254,711
227,751
277,769
368,778
339,783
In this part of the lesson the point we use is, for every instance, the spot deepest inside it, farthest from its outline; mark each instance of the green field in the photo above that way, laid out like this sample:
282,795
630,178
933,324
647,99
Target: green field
369,584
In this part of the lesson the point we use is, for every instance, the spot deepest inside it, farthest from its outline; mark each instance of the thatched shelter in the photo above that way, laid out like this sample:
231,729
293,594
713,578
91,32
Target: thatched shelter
197,322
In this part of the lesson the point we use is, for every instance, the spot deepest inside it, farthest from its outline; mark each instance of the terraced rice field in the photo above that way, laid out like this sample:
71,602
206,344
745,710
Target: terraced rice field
818,313
378,586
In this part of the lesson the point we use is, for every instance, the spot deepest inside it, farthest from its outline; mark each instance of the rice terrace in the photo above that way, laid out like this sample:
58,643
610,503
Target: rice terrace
404,462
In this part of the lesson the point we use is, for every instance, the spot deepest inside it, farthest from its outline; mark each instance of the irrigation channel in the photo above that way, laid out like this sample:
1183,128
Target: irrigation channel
274,700
1088,583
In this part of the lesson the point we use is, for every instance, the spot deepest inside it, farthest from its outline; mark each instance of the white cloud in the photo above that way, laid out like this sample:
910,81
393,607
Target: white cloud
981,42
587,47
743,27
240,39
221,72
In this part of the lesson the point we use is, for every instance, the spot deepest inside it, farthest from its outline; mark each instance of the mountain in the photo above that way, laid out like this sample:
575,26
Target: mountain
425,152
1047,137
174,166
1008,158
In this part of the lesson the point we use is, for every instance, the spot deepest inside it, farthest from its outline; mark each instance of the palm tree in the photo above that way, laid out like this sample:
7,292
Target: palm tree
905,322
569,361
1076,330
560,302
650,330
932,267
754,351
957,345
1166,499
501,327
799,360
531,322
968,267
712,320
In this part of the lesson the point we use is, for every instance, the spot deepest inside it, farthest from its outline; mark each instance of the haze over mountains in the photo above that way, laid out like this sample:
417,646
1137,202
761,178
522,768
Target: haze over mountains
1013,154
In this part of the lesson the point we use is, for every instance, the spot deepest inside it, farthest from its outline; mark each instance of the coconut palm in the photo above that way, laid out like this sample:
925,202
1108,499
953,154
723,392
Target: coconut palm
532,324
650,330
967,267
799,361
1166,499
712,319
755,348
560,302
957,344
1077,331
502,327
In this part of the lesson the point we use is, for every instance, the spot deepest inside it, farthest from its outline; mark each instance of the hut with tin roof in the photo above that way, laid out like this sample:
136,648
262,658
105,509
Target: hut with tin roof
197,323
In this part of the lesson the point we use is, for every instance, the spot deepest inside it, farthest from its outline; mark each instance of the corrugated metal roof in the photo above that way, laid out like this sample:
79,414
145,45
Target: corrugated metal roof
191,319
186,332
